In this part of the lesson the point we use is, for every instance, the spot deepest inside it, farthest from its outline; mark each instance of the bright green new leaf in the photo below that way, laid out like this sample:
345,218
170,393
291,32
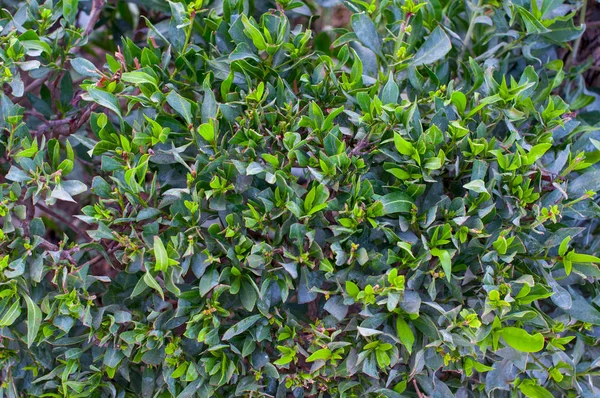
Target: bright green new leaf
405,334
404,147
352,289
138,77
522,341
322,354
160,253
254,34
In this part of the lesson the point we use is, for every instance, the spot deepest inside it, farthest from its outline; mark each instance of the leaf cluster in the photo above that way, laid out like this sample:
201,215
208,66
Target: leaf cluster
220,198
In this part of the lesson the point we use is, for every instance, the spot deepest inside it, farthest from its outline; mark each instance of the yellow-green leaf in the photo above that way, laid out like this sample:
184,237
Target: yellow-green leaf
522,341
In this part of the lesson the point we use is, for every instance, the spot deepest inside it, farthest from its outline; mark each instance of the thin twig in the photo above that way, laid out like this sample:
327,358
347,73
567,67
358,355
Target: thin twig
35,113
99,257
48,245
65,220
94,16
357,150
470,29
92,261
29,210
35,84
65,254
58,122
57,127
97,6
582,12
85,115
66,126
419,393
58,80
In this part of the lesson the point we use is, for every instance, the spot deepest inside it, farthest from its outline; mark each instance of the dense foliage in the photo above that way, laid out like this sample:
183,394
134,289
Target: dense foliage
234,198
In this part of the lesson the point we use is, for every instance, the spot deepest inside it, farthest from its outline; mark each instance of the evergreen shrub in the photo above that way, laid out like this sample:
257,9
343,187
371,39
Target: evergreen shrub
254,198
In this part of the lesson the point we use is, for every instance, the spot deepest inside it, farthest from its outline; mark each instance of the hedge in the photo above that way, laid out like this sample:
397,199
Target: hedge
264,199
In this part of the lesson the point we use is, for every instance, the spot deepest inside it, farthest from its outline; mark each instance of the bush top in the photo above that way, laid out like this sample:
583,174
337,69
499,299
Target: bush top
226,202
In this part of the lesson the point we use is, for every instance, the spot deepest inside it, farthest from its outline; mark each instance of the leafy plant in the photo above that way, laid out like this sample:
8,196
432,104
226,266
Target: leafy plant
226,198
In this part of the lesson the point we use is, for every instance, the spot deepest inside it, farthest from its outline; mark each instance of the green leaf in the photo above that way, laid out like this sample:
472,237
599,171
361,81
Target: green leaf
352,288
583,258
105,99
530,389
181,105
405,334
564,31
170,284
390,92
537,151
248,295
140,287
153,284
284,360
66,166
34,320
160,253
589,181
356,73
59,192
581,309
180,371
436,46
367,33
477,75
11,315
31,41
66,91
254,34
501,245
445,260
316,199
70,10
209,280
397,202
241,326
84,67
532,24
460,101
138,77
207,131
568,265
209,103
74,187
323,354
402,146
17,175
522,341
564,245
476,186
112,357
